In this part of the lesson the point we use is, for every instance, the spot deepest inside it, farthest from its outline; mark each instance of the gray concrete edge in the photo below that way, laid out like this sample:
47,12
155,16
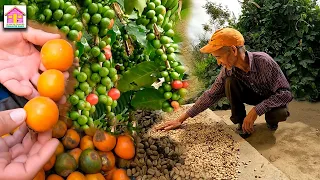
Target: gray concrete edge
252,164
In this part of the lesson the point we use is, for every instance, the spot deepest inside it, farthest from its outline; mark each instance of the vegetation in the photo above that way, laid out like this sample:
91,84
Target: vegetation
116,51
205,66
288,31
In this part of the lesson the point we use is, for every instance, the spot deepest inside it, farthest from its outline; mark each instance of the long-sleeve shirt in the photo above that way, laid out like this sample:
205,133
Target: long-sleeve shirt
264,78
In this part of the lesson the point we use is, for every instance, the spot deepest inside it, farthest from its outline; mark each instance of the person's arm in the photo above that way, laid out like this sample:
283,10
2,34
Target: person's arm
208,98
279,86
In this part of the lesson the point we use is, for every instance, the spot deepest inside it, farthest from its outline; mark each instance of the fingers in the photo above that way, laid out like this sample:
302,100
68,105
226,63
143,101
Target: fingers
3,146
44,137
20,159
34,93
17,136
244,127
26,168
66,75
22,148
35,149
38,37
251,130
247,127
5,159
63,100
42,68
161,127
169,127
17,88
34,79
11,119
38,160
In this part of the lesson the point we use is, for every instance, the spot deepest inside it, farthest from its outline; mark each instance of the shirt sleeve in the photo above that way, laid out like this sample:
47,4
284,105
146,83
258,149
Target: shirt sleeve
210,96
280,88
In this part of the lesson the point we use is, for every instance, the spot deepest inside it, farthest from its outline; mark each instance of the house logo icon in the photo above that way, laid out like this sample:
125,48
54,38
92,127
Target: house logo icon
15,16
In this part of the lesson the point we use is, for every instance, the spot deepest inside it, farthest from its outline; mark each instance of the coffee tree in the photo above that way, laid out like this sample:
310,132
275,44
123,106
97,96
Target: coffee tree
126,58
289,32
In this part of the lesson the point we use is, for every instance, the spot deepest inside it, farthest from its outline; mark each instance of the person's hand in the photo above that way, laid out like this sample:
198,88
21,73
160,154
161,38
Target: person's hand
249,120
20,60
22,156
170,125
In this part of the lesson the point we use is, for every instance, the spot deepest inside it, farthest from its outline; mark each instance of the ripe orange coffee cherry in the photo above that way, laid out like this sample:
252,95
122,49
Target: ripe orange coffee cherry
57,54
125,147
42,113
51,84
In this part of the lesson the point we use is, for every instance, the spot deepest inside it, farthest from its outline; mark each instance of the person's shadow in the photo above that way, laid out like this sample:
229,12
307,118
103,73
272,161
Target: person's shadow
263,138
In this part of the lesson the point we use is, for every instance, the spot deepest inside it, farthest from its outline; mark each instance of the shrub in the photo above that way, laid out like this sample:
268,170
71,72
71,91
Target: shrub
288,31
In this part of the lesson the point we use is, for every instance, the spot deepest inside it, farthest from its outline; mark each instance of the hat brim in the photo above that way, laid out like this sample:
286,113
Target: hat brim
207,49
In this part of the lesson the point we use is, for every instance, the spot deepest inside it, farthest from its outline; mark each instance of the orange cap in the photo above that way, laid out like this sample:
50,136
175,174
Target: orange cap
223,37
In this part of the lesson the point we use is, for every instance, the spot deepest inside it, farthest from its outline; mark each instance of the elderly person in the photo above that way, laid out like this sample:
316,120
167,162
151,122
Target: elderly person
247,77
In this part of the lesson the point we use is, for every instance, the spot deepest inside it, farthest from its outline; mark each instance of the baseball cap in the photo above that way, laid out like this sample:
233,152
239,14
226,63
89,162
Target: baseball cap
223,37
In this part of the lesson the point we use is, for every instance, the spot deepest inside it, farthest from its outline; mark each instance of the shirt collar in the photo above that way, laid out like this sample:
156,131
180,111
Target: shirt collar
251,62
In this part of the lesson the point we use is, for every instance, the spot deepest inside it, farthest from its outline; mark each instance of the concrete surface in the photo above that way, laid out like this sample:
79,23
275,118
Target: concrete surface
253,164
294,147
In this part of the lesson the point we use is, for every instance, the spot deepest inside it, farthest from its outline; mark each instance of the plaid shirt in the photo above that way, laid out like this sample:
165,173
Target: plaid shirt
265,78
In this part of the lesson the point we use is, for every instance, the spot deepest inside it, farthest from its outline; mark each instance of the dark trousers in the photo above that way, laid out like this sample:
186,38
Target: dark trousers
10,101
238,94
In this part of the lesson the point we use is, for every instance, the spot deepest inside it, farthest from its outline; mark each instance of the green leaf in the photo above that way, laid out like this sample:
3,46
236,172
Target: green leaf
289,53
117,26
149,48
140,5
306,62
313,33
289,72
129,6
148,99
101,109
311,38
2,3
293,42
88,37
139,76
120,2
133,15
277,5
113,36
123,102
287,66
307,79
80,47
138,31
185,13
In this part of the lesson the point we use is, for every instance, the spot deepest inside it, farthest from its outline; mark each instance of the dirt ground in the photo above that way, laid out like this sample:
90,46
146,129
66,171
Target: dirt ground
294,147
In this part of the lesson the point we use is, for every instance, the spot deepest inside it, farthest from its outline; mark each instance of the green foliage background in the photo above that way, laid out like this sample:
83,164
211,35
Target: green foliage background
288,30
3,2
205,67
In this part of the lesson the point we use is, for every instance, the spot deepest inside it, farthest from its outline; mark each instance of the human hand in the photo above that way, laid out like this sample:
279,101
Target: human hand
248,121
22,155
20,60
170,125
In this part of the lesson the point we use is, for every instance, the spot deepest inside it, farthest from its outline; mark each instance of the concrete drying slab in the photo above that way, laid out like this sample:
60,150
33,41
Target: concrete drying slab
253,164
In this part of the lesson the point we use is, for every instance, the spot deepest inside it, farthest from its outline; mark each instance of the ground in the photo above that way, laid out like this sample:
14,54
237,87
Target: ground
294,147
